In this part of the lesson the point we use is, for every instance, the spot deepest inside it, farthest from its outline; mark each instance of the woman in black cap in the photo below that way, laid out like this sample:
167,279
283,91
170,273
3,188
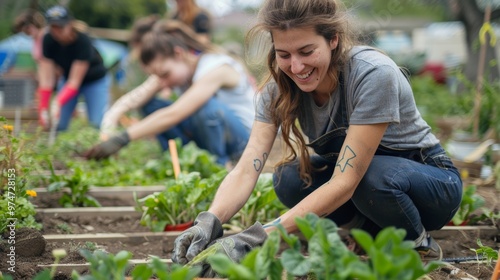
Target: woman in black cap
83,72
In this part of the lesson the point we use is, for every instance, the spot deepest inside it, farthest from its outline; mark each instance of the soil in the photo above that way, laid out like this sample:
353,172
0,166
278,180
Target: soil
33,250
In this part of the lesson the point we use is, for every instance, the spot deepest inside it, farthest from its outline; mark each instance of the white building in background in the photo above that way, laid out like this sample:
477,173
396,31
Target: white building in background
443,42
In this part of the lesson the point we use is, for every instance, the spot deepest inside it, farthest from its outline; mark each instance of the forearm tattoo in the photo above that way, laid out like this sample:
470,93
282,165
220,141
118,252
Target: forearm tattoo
347,156
258,164
273,223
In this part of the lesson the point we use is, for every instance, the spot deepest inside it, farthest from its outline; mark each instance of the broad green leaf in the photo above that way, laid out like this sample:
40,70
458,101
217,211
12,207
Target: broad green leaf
220,263
122,258
239,272
295,263
304,227
142,272
364,239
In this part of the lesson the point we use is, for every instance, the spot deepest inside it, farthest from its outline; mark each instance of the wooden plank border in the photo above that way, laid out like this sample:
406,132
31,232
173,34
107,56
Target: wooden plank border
115,211
147,236
480,231
83,267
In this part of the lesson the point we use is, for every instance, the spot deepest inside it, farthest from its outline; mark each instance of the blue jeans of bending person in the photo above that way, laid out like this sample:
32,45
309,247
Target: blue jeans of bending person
214,127
96,94
419,191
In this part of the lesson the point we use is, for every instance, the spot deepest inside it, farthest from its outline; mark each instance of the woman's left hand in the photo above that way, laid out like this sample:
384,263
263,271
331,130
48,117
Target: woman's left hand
235,247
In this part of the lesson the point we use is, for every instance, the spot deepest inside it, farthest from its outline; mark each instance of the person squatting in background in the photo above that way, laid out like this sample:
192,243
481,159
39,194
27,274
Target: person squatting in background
66,48
375,163
215,108
198,19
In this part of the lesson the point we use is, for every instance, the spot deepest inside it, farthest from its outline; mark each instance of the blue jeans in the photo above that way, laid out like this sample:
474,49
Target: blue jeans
414,194
214,127
96,94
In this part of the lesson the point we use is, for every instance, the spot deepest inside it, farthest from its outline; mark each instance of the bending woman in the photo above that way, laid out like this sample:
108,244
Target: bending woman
215,108
84,74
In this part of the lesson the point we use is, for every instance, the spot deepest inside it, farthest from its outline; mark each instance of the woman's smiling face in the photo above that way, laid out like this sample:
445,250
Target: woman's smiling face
305,57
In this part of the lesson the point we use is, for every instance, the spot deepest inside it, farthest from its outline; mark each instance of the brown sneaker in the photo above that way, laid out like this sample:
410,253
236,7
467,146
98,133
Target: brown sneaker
431,252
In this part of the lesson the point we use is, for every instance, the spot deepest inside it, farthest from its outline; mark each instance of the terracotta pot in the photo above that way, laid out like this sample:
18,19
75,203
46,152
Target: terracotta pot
178,227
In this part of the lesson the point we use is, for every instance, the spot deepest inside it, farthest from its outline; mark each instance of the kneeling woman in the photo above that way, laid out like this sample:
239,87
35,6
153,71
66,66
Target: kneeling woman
215,108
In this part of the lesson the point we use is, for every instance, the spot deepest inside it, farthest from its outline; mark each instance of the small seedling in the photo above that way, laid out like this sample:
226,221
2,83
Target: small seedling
486,251
65,228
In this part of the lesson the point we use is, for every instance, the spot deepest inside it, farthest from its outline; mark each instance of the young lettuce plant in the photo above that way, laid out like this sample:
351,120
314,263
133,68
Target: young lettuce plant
389,256
263,204
105,266
260,263
490,254
180,202
78,185
156,269
392,257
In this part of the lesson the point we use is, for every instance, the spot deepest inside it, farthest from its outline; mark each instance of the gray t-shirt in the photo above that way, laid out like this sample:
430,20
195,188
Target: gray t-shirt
376,91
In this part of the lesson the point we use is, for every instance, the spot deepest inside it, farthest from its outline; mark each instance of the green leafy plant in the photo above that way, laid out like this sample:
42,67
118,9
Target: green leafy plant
389,256
125,168
260,263
105,266
490,215
263,204
490,254
180,202
471,201
159,270
78,185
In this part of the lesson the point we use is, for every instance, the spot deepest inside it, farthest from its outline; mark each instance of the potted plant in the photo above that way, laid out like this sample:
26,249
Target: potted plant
180,202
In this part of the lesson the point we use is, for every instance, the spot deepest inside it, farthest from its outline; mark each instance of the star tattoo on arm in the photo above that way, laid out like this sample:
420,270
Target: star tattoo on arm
346,157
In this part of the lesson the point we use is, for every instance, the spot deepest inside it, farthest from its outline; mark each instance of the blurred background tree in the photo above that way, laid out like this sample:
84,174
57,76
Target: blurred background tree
119,14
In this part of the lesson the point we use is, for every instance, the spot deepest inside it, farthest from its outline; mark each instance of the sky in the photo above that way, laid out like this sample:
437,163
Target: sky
222,7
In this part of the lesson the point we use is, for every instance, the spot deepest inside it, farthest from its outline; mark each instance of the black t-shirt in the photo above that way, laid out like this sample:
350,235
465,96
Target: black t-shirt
201,23
80,49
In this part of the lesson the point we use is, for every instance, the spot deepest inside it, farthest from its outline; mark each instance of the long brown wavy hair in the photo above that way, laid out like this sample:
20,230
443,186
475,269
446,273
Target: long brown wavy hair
167,34
329,18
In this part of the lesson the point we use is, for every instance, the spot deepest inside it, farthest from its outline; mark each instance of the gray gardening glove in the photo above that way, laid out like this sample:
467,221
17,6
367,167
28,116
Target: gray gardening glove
195,239
235,247
108,147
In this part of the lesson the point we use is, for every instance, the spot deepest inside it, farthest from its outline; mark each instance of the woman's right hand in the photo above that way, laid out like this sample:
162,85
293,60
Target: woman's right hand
195,239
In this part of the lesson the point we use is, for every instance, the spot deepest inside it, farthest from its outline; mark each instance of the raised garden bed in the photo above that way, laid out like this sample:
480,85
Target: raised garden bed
116,228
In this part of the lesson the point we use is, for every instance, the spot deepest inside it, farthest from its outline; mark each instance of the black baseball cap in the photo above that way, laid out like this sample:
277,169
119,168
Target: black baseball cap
58,15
